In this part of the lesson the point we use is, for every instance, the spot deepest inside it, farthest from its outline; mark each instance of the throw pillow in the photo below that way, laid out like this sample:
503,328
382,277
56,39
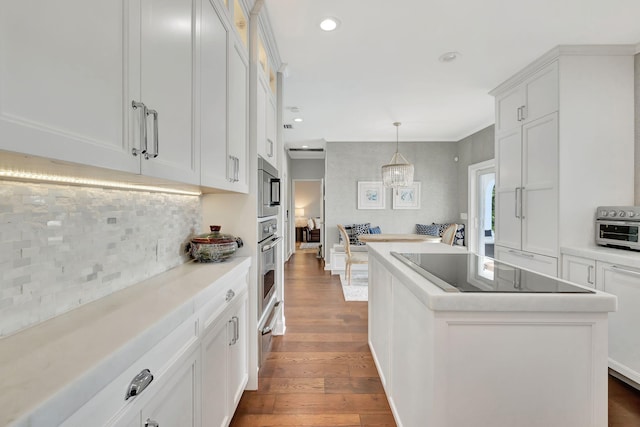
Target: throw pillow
430,230
354,230
375,230
459,237
311,224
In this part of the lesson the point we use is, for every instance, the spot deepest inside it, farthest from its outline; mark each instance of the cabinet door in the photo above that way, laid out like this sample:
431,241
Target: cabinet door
540,186
579,270
166,86
271,147
624,341
238,354
541,93
262,95
215,408
176,403
238,113
215,167
62,80
508,193
507,109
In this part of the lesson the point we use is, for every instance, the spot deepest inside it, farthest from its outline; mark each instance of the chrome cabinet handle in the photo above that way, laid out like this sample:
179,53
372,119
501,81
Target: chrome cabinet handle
230,295
520,254
589,279
270,153
237,175
139,383
230,166
517,204
151,423
233,338
156,146
518,114
522,202
143,128
236,328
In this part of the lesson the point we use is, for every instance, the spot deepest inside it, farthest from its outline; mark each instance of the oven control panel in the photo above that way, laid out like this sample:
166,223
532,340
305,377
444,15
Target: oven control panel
618,213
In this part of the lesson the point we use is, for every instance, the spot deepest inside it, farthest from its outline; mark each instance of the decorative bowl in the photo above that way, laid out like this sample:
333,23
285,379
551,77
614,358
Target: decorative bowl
214,246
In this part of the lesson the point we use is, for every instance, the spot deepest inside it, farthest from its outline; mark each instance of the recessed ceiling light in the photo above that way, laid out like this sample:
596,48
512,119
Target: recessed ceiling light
329,24
305,146
297,119
449,56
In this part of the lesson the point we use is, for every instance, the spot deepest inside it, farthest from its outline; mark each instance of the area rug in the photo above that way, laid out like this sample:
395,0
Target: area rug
359,288
309,245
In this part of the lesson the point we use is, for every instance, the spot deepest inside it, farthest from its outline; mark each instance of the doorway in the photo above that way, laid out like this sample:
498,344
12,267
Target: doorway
308,208
482,208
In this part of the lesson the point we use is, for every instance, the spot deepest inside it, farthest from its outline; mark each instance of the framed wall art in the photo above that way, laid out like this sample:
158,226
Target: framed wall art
407,197
370,195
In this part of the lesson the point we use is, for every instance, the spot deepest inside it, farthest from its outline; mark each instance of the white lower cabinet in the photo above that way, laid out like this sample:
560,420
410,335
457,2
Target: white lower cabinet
200,369
624,341
579,270
224,364
172,402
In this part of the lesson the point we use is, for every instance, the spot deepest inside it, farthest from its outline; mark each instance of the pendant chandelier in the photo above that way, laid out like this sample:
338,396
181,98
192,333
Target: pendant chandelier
398,172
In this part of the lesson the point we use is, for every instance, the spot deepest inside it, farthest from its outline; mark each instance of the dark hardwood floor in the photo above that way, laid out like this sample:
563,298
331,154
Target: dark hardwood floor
321,372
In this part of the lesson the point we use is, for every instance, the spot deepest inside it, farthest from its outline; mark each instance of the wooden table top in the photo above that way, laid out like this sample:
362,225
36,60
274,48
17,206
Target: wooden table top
389,237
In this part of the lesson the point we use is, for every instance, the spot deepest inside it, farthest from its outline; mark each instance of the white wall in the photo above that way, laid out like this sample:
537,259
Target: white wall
64,246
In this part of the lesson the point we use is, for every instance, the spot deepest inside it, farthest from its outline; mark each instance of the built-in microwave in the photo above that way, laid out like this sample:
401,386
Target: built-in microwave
268,189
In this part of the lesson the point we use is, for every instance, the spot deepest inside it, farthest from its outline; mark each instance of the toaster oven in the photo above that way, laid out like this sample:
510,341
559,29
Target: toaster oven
618,226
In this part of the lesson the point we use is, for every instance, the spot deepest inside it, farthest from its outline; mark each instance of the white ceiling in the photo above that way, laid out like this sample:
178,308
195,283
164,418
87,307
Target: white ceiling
381,64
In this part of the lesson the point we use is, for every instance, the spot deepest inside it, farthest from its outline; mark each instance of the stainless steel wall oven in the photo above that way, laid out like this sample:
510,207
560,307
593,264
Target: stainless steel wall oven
268,305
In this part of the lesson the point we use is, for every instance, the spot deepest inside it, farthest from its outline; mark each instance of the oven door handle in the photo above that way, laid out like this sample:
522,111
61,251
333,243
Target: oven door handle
270,246
272,323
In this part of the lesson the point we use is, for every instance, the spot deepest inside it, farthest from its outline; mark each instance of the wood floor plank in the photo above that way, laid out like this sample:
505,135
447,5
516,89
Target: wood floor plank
276,369
296,420
377,420
371,385
331,404
292,385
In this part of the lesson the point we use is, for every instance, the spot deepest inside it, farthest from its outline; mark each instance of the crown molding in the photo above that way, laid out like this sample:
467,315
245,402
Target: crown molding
565,50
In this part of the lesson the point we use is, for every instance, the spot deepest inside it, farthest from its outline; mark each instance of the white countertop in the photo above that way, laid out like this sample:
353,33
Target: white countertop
68,351
438,300
603,253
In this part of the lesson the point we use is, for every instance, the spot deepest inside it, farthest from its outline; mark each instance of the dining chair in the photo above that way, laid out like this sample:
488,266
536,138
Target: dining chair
449,234
351,257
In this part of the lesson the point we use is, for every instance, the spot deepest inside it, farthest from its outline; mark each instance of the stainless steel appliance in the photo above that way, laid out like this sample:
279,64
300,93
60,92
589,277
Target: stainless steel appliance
618,226
268,189
459,273
268,305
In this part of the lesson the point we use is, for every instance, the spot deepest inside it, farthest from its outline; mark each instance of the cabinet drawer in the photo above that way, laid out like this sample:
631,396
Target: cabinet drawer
579,270
215,301
538,263
111,399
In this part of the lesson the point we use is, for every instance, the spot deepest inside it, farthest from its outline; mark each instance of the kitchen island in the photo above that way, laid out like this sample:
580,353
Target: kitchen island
514,348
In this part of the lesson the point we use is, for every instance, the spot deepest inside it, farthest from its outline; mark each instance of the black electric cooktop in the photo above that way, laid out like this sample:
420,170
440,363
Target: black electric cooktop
473,273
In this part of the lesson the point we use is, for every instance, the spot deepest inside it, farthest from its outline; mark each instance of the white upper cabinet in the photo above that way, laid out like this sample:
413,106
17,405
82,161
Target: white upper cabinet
215,167
534,98
266,105
223,102
72,71
238,112
62,82
166,88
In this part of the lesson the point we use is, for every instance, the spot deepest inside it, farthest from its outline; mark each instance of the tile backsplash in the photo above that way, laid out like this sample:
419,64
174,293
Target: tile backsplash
64,246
